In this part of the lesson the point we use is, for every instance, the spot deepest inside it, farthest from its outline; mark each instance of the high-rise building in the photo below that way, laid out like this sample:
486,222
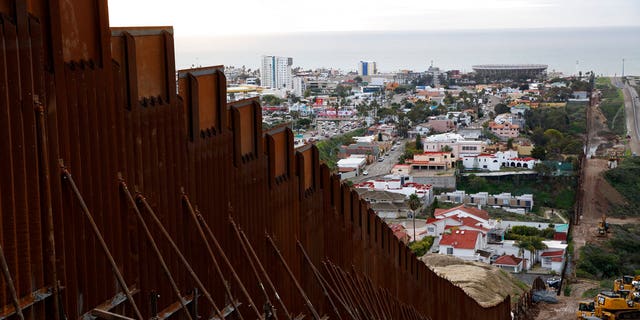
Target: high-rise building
275,72
367,68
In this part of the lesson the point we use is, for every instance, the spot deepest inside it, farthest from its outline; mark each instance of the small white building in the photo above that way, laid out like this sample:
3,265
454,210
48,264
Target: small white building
462,244
488,161
510,263
353,163
552,259
459,146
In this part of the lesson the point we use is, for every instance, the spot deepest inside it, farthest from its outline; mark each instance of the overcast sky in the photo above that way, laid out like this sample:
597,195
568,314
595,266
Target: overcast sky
210,17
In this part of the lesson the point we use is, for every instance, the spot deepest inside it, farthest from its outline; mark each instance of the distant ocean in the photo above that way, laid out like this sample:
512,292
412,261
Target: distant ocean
564,50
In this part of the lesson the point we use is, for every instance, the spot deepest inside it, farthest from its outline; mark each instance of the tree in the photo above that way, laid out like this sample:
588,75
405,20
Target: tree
476,184
510,144
379,136
414,203
303,123
532,244
419,145
542,169
501,108
357,79
539,152
420,248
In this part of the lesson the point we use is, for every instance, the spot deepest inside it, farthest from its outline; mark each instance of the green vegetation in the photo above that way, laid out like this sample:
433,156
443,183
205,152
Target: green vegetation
617,256
328,149
271,100
420,248
626,179
605,284
409,150
567,290
520,232
557,130
552,192
612,105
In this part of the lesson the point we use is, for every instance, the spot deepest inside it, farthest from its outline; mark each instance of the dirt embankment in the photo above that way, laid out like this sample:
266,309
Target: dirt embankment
484,283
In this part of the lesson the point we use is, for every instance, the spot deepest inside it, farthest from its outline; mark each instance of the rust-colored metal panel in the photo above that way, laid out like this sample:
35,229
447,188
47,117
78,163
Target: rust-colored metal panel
80,30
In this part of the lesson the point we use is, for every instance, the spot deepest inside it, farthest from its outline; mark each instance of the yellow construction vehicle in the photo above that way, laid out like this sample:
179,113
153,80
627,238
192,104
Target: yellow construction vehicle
627,283
603,226
608,305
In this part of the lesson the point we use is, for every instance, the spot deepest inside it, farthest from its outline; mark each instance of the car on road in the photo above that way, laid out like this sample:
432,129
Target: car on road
554,282
365,172
380,159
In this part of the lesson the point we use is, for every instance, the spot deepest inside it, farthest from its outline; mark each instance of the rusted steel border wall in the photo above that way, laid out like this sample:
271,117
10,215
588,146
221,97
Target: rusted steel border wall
111,115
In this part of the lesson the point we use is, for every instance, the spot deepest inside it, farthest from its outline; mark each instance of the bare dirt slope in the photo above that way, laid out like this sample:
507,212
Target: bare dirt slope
484,283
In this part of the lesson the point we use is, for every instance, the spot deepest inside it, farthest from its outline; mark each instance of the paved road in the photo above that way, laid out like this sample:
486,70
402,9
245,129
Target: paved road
632,103
379,169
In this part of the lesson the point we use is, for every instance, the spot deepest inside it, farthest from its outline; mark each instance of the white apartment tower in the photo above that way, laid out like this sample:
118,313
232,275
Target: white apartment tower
275,72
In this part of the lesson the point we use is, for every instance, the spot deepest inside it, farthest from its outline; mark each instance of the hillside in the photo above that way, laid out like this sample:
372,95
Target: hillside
486,284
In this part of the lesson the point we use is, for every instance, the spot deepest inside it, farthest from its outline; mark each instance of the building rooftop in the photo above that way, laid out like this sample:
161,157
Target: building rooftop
460,239
508,260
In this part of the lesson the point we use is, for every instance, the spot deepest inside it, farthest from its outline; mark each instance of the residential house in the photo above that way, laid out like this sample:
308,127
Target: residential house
433,161
463,244
386,204
504,131
553,260
351,166
509,263
488,161
504,199
461,217
423,129
441,125
527,162
455,142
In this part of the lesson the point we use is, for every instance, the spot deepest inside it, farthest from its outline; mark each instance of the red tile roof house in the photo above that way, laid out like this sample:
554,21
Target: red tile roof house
509,263
553,260
467,218
462,244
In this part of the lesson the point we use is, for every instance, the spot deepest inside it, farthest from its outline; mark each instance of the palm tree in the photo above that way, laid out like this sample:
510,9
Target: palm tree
531,243
414,204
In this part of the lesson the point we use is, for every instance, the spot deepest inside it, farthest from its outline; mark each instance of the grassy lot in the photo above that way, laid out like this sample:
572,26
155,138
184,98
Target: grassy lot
612,105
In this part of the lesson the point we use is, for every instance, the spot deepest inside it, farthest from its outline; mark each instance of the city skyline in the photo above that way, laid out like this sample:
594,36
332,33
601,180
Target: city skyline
197,18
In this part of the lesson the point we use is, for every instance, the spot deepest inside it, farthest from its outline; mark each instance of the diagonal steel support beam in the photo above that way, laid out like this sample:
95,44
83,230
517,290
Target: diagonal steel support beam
245,239
174,307
228,310
293,278
66,175
319,279
269,306
143,201
108,305
156,250
107,315
9,281
26,302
